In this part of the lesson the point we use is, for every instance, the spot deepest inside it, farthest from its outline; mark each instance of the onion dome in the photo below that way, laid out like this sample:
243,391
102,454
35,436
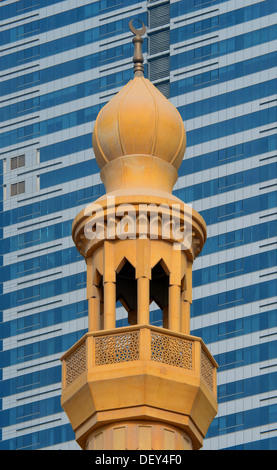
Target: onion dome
139,131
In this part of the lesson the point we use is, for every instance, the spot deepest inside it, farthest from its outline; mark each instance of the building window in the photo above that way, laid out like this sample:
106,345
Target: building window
17,162
230,267
17,188
159,68
159,42
230,421
197,3
230,237
159,16
105,4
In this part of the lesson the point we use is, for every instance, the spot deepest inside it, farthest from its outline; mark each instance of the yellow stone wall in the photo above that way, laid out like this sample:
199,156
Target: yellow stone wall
138,435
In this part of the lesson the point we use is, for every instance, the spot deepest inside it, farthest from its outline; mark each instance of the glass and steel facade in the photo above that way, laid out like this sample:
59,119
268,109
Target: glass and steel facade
61,61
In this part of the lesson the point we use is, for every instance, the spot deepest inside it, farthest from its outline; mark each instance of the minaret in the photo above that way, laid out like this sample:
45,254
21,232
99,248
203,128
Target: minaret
141,386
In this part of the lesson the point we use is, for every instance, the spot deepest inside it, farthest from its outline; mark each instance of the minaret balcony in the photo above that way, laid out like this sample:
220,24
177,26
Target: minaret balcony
139,372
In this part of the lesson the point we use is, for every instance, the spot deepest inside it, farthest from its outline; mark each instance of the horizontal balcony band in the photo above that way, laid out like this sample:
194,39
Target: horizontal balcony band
139,343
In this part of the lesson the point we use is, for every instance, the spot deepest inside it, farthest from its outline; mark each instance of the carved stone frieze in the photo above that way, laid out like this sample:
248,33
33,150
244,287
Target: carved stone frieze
172,220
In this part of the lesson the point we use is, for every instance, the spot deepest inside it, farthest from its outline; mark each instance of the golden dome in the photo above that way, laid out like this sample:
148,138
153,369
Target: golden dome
139,120
139,138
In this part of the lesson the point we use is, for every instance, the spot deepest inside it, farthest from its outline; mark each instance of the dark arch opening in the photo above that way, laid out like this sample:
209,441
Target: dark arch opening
126,291
98,282
159,286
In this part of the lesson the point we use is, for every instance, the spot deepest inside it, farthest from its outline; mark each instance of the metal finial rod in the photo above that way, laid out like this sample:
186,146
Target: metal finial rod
137,41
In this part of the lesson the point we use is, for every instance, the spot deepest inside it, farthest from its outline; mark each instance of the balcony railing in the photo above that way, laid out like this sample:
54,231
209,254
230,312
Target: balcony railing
139,343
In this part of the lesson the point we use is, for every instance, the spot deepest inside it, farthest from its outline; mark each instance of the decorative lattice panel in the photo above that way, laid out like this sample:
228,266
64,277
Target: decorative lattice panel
76,364
112,349
172,351
207,370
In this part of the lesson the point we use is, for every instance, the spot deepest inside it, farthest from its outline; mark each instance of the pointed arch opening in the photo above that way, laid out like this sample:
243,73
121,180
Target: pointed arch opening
98,282
126,290
159,285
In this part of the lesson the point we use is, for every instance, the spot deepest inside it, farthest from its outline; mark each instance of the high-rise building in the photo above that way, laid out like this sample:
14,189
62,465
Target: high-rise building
61,61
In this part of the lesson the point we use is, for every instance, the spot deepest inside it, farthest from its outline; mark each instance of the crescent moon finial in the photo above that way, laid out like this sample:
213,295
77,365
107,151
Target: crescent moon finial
135,31
137,41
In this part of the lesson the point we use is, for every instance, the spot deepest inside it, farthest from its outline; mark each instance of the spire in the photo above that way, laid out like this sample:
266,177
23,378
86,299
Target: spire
137,41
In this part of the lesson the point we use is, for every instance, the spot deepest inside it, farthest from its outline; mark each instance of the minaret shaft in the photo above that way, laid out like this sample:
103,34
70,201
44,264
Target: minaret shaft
139,435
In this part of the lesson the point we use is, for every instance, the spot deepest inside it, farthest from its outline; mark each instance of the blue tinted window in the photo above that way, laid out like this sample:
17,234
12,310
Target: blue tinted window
40,439
222,74
223,47
41,263
43,290
227,183
238,327
242,420
24,6
66,43
206,133
234,297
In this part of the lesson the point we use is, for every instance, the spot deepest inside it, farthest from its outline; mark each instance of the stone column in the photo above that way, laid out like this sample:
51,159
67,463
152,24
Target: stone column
185,317
143,286
109,279
186,300
174,306
109,305
94,314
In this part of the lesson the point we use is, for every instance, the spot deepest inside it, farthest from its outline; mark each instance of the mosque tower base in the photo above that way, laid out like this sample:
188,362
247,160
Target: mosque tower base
139,435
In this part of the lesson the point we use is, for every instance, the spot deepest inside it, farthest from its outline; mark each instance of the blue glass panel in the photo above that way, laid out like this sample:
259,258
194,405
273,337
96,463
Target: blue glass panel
232,298
220,75
43,290
238,327
24,6
56,46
